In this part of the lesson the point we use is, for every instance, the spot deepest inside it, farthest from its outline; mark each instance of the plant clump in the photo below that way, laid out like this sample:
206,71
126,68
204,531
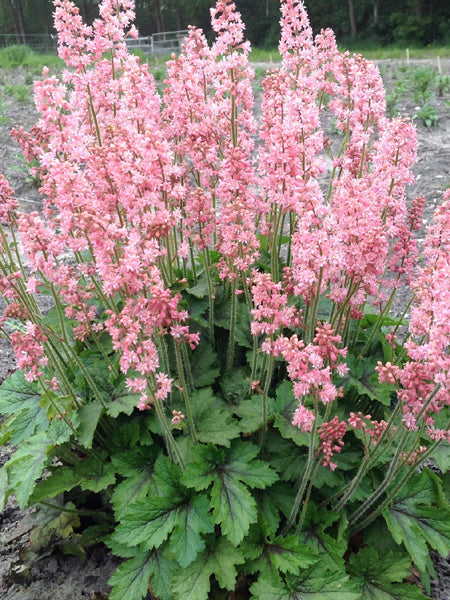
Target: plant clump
222,389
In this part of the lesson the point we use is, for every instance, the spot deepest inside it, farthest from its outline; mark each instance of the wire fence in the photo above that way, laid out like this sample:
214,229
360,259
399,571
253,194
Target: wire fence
38,42
159,43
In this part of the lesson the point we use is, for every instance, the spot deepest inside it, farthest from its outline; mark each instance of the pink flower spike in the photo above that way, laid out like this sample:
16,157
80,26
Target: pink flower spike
303,419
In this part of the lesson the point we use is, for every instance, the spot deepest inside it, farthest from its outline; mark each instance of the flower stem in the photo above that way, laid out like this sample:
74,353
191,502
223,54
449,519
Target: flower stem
172,446
233,320
267,382
184,391
306,477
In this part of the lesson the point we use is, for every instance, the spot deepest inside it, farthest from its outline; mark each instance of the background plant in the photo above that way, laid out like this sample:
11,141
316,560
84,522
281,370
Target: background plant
221,386
426,85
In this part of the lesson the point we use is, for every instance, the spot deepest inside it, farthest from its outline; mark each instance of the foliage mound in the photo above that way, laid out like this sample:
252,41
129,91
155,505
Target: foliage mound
222,389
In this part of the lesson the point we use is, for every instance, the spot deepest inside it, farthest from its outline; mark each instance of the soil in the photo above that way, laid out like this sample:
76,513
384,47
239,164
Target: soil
60,577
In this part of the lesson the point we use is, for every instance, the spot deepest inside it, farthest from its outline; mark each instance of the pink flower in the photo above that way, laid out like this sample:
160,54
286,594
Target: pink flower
331,441
7,201
303,418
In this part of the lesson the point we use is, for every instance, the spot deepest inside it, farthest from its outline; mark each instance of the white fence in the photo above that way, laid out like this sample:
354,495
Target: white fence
159,43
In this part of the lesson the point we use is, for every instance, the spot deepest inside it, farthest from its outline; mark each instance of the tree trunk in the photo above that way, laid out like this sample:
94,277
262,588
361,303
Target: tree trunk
376,10
418,9
179,15
159,17
17,15
351,16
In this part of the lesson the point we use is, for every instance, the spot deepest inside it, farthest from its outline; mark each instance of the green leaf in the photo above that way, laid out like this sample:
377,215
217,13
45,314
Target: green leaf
317,585
281,495
285,406
53,321
212,419
441,456
193,521
130,490
167,476
95,473
364,379
242,334
287,555
204,365
122,402
419,517
285,456
330,547
148,521
59,431
235,385
198,310
219,560
20,400
381,575
234,508
222,319
201,471
243,465
230,471
251,414
161,576
132,578
61,479
4,488
200,290
26,466
25,423
89,416
16,392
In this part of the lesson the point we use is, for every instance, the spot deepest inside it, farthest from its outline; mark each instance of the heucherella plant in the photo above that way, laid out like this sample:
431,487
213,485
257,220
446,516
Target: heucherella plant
224,391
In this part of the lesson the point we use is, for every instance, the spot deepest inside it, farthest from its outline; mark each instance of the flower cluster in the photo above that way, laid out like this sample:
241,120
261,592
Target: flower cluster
143,198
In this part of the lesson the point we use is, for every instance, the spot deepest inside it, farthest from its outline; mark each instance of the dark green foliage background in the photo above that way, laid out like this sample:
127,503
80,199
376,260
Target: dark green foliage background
378,22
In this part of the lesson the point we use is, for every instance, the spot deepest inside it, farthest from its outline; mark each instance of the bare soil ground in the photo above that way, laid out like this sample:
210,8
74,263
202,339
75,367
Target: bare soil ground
59,577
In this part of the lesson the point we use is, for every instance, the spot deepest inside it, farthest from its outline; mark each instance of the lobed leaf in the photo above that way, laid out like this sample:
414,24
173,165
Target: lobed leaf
131,579
213,421
89,416
27,465
316,585
218,559
420,517
381,576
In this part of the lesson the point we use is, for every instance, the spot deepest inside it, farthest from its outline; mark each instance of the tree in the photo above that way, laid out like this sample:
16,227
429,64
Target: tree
15,9
351,17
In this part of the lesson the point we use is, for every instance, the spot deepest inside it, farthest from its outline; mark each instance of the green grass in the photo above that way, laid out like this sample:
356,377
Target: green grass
372,53
261,55
4,120
394,52
19,91
22,56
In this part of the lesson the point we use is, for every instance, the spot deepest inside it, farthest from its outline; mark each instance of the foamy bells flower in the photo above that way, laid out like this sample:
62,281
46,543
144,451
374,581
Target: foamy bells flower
424,381
145,402
271,312
7,201
303,418
331,441
29,349
306,365
177,417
